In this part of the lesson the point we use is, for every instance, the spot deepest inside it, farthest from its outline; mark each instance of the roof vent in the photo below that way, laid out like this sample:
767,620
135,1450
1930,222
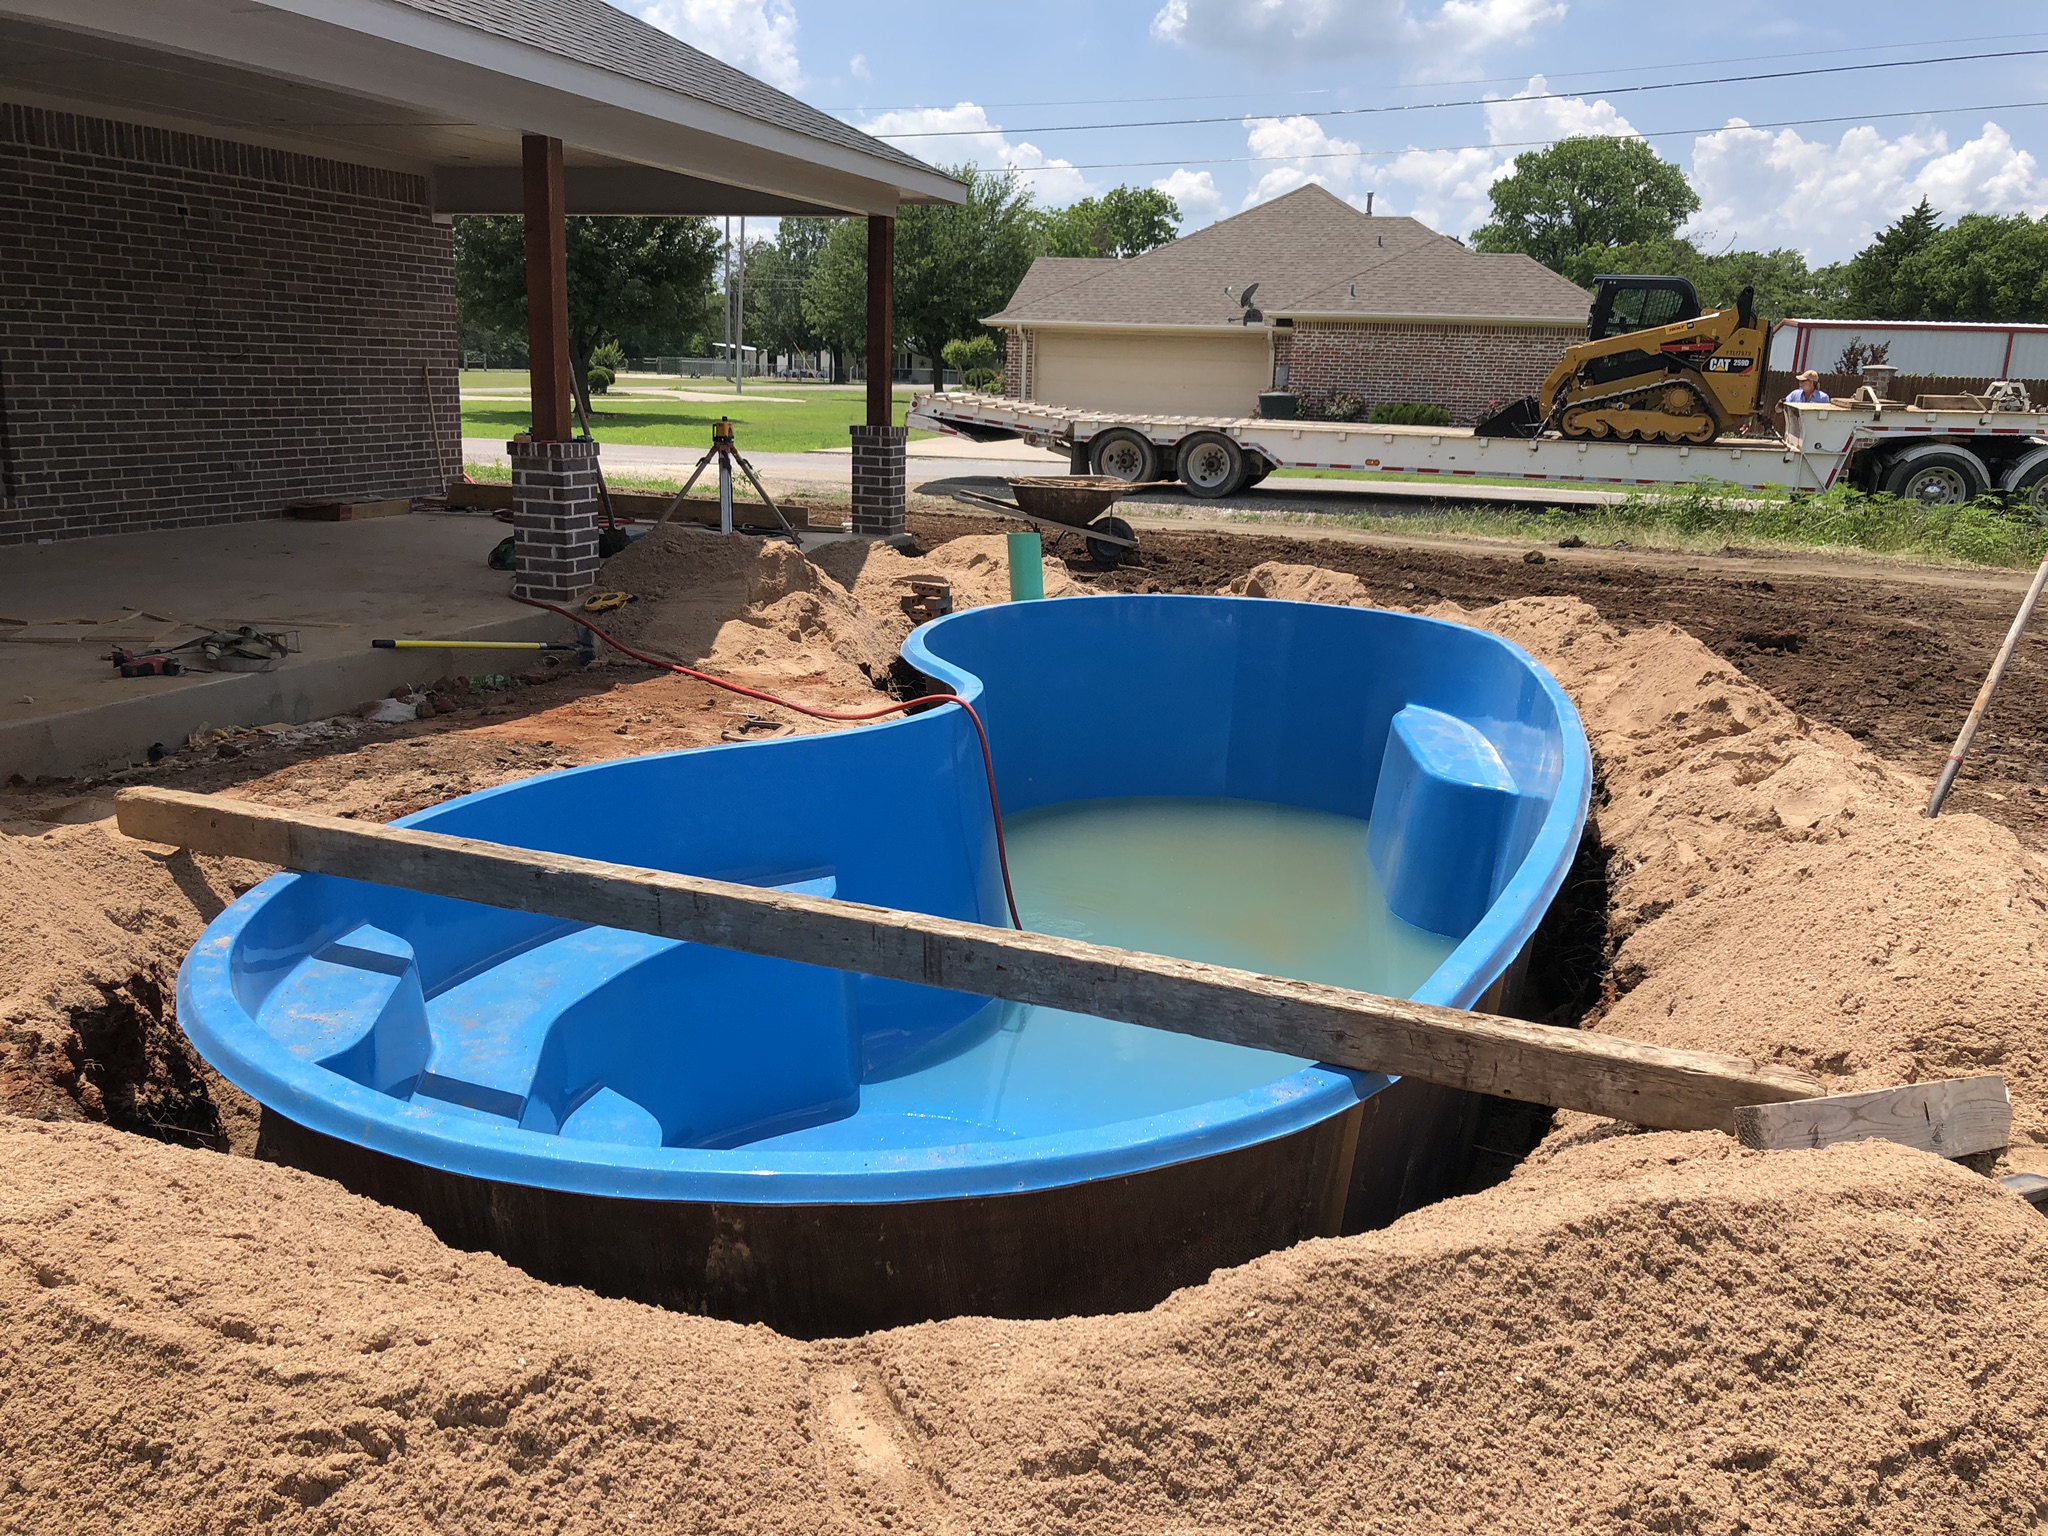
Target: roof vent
1354,290
1368,205
1382,239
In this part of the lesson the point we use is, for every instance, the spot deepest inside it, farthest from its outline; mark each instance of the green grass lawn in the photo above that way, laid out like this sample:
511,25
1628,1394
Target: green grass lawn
765,426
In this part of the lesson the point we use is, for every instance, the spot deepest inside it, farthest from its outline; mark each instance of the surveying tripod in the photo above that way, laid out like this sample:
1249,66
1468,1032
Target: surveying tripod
727,453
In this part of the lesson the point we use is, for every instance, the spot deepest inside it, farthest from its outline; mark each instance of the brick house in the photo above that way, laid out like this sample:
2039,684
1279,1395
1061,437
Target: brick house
226,256
1341,304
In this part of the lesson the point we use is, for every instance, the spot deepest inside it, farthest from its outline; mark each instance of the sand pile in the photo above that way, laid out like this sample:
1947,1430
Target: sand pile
96,928
754,607
976,566
1656,1333
1777,892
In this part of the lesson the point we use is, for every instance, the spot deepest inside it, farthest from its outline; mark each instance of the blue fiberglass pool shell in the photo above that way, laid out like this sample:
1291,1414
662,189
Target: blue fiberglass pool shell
523,1050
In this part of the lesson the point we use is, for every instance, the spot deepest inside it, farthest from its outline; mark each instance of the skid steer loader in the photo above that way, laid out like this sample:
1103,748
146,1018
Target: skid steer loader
1652,369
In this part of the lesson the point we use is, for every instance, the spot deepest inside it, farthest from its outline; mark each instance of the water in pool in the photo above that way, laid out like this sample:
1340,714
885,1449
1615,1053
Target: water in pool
1269,888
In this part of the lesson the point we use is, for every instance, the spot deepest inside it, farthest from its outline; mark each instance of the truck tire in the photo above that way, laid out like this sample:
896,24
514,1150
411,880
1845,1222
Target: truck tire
2026,485
1123,454
1936,475
1210,465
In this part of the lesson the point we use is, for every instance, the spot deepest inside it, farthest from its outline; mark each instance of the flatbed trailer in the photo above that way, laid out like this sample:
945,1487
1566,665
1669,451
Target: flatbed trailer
1931,456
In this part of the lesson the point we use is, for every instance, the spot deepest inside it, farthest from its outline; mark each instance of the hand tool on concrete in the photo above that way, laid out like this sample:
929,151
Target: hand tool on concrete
144,663
1954,765
473,645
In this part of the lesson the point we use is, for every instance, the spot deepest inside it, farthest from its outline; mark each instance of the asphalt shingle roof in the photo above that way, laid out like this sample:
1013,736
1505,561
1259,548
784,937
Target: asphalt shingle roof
1309,252
592,32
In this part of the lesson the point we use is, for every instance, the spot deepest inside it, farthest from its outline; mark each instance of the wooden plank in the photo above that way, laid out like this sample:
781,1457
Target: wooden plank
1643,1084
346,511
1954,1117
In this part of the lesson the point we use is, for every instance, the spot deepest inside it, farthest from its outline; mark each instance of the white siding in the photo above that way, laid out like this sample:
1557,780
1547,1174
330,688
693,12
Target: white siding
1926,349
1139,373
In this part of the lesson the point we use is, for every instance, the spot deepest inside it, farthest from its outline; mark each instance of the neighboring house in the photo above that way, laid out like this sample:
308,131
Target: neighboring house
1342,304
227,277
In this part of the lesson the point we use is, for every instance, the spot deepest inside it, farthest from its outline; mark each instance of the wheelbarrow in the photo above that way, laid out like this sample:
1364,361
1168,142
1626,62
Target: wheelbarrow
1072,504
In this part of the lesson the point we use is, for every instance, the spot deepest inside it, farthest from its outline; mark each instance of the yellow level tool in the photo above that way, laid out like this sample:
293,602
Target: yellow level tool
472,645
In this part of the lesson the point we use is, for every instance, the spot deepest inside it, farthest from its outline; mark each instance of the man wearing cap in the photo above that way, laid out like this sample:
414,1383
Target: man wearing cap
1809,391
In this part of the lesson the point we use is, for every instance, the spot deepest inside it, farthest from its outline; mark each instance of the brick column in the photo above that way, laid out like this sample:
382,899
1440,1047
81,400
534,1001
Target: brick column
878,473
554,518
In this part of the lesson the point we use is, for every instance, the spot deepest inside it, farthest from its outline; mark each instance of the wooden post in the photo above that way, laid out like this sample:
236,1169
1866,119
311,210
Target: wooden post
547,290
1537,1063
881,319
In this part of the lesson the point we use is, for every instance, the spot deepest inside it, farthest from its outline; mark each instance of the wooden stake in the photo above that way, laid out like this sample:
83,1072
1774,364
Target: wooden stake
1645,1085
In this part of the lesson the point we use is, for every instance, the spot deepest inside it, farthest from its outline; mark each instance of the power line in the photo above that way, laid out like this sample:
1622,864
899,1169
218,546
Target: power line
1485,101
1578,74
1450,149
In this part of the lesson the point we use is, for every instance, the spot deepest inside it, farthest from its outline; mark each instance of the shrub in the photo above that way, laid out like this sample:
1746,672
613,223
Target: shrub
1408,414
1343,408
605,363
975,357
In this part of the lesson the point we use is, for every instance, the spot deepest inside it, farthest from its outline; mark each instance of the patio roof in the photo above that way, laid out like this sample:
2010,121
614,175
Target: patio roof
447,88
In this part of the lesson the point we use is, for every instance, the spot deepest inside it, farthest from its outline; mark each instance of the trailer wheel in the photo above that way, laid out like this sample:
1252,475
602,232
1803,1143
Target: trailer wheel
1210,464
2026,485
1122,454
1937,475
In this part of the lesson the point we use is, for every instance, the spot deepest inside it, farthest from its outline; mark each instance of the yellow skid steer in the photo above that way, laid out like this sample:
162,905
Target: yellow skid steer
1652,369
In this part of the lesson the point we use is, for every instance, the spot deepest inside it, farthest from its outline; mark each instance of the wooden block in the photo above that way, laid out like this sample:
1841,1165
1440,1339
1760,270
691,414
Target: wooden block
1646,1085
1955,1117
346,511
2030,1187
481,495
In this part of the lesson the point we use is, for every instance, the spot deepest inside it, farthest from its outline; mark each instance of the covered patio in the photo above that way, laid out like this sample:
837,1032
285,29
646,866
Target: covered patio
227,280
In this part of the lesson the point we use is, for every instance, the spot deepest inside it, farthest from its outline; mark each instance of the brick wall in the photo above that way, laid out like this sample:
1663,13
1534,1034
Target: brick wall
198,331
1468,368
1019,355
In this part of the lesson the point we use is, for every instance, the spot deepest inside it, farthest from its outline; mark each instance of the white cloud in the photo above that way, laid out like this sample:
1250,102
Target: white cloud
966,134
1447,188
1338,28
758,36
1760,190
857,66
1196,193
1306,153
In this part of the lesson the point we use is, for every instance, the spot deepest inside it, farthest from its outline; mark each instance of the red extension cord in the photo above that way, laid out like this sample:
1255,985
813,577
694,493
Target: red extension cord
988,763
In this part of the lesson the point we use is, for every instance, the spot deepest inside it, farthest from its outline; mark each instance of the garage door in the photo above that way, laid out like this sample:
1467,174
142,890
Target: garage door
1131,373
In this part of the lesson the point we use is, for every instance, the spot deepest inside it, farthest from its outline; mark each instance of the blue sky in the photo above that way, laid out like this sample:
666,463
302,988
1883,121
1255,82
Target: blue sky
1816,163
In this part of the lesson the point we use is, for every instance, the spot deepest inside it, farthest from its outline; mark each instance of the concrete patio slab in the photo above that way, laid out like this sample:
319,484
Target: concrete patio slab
65,710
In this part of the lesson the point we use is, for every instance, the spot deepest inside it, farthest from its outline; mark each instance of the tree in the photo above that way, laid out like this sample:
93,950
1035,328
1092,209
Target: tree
953,266
956,264
628,277
1870,277
1586,192
975,357
776,274
835,299
1784,284
1124,222
1984,267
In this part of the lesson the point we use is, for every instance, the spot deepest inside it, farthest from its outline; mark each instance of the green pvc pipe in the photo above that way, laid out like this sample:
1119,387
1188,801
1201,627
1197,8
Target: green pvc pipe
1027,567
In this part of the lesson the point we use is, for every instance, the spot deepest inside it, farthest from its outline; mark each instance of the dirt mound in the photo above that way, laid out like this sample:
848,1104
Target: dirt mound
750,606
1299,584
96,928
1654,1334
1777,892
976,566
